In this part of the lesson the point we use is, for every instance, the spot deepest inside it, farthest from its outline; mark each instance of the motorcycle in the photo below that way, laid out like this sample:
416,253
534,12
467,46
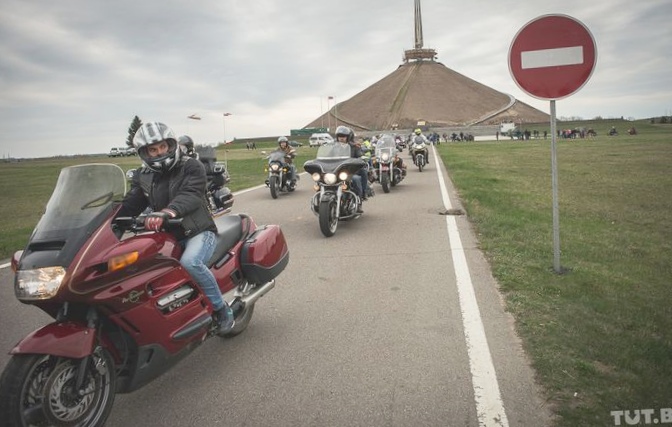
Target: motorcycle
279,173
385,169
124,309
220,197
400,142
333,170
419,152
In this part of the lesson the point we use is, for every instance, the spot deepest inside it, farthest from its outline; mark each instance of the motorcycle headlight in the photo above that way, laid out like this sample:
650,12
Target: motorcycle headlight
275,167
316,176
39,284
386,157
330,178
343,176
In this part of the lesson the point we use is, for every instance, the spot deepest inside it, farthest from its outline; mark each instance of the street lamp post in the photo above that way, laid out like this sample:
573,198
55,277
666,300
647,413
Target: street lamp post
329,98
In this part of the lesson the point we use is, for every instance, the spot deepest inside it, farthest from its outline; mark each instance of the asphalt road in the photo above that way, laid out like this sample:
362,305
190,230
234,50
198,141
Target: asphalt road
394,321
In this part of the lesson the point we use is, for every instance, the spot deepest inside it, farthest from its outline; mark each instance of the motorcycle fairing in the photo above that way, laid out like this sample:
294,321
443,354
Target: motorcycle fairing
321,166
66,339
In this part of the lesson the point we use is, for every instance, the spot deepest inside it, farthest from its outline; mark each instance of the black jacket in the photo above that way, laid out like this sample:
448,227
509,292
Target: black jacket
355,152
182,190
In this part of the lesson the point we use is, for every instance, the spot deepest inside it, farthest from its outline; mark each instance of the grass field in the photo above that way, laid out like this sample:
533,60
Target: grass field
25,186
599,336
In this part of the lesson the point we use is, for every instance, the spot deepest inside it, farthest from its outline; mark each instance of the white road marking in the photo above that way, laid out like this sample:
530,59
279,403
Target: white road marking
551,57
5,265
489,405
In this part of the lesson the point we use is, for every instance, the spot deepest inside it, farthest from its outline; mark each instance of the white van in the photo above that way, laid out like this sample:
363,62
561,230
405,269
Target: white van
318,139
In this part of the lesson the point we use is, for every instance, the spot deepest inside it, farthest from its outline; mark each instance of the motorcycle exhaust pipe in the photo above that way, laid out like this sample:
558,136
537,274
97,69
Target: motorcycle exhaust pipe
239,302
258,293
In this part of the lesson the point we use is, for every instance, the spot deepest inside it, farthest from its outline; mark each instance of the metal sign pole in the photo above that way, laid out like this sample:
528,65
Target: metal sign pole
554,180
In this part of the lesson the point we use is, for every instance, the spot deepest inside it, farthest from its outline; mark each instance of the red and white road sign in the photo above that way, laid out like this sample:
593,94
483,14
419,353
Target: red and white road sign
552,56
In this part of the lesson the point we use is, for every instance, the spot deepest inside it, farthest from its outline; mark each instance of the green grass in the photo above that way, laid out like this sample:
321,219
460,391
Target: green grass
600,336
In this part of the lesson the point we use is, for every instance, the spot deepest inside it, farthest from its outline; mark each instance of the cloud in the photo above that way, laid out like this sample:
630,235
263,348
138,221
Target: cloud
74,74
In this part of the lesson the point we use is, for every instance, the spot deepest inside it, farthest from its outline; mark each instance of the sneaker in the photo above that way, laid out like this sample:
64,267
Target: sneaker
225,320
359,209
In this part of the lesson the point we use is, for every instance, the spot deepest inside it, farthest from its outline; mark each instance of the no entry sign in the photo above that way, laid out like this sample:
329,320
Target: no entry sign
552,56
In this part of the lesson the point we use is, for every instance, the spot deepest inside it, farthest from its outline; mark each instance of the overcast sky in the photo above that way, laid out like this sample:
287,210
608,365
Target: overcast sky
74,73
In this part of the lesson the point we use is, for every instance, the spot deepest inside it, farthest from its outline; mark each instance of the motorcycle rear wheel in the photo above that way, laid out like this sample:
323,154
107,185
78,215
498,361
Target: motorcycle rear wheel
38,389
274,185
242,320
328,217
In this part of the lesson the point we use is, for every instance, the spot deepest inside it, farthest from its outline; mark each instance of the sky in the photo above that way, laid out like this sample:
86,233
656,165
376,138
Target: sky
74,73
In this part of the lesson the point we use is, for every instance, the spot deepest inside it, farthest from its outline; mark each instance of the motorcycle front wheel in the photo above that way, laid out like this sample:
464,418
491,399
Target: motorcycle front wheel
38,389
274,184
421,162
385,182
328,217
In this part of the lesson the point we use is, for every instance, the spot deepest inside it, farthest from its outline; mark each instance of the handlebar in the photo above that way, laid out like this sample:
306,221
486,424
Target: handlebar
136,224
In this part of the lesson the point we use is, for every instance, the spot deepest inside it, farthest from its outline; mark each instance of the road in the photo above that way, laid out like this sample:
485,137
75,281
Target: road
394,321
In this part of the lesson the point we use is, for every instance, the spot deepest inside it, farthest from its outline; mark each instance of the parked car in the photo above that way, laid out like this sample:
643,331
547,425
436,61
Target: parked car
130,151
295,144
117,152
318,139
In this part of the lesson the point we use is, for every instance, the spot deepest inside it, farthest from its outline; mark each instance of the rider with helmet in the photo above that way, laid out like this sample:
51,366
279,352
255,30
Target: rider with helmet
345,135
290,153
187,146
174,187
418,137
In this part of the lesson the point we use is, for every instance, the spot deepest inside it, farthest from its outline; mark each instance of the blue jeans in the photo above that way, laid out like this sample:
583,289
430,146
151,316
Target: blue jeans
197,250
357,184
364,175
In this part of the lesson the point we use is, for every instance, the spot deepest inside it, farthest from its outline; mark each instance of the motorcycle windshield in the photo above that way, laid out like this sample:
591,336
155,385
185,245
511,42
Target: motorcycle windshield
276,156
82,193
385,144
333,158
335,150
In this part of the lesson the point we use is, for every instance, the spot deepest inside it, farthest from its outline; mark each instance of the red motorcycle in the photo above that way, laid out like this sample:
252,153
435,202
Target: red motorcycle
124,309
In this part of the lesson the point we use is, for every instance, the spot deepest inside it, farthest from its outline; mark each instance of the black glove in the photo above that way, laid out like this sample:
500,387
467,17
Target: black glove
154,221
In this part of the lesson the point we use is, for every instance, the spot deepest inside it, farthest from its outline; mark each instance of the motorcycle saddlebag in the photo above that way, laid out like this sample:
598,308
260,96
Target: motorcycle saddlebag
223,198
264,254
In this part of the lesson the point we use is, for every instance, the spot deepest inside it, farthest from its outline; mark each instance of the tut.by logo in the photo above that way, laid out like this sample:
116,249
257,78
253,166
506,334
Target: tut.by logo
642,416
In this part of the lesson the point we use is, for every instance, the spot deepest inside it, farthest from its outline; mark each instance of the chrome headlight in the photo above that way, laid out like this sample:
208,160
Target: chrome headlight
316,176
343,176
386,157
39,284
275,167
330,178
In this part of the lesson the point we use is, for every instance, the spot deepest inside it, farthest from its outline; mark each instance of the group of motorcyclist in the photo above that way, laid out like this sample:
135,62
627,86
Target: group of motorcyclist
172,183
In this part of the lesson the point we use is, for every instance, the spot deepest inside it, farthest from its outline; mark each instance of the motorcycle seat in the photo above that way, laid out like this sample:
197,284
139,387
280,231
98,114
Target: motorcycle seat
229,233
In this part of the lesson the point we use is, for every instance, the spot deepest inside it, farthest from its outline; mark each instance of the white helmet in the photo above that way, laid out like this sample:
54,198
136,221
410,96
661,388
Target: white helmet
152,133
